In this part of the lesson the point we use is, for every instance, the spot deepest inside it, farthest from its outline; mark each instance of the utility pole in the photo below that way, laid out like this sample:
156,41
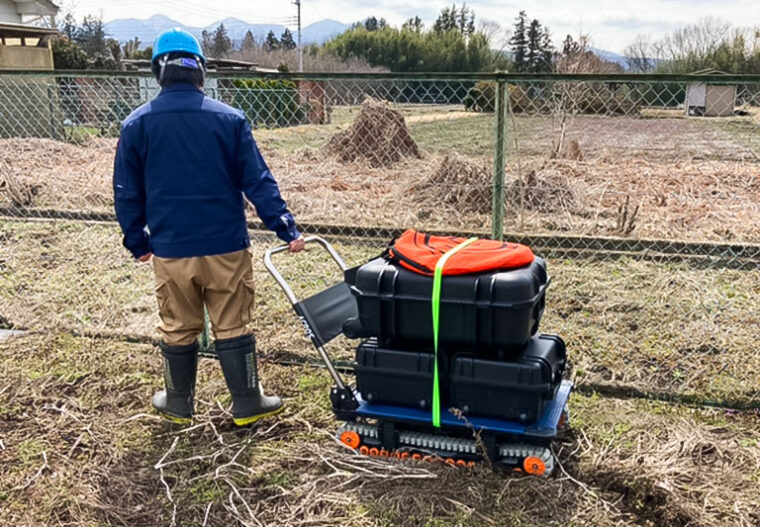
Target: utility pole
300,47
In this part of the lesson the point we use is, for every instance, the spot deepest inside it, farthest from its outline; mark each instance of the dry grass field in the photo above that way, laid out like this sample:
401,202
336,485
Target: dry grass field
665,426
685,179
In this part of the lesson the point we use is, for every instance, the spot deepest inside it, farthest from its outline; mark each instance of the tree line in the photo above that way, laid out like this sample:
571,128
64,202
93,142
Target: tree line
711,43
456,41
219,44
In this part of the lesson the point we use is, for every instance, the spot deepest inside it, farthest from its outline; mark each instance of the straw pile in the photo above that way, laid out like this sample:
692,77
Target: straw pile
549,191
378,136
458,182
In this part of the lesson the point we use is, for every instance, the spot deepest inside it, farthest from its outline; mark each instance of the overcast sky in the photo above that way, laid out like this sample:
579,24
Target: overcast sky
611,24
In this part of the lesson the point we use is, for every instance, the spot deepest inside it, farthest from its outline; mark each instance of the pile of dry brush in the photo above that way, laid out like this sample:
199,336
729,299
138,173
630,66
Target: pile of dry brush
378,136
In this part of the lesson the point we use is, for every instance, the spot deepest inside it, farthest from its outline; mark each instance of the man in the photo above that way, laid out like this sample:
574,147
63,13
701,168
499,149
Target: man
183,164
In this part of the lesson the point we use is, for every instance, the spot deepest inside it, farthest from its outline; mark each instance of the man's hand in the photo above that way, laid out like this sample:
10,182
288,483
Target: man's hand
296,245
145,257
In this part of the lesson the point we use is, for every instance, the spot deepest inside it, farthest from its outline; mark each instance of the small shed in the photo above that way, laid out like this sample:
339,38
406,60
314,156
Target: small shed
710,100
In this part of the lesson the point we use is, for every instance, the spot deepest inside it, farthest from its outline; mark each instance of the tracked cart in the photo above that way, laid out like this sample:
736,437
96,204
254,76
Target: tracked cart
407,431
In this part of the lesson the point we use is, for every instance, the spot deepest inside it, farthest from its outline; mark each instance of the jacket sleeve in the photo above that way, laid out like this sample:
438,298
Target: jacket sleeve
256,181
129,193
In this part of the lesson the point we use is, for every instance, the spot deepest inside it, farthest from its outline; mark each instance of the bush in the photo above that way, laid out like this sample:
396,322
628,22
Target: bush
481,97
268,103
588,98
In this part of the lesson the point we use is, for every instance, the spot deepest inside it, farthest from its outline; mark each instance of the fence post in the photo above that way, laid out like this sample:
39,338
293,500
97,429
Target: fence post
497,214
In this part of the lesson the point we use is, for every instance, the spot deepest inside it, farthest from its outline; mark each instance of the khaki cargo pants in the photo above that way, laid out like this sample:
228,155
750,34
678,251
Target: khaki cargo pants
224,282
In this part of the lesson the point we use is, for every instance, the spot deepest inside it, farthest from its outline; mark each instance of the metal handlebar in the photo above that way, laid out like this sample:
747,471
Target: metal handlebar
278,277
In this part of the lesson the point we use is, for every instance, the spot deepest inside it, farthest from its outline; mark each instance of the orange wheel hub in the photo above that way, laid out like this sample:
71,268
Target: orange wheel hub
534,466
350,439
374,452
364,450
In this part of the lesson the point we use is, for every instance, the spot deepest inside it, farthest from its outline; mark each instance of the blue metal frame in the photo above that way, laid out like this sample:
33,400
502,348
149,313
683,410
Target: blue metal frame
545,427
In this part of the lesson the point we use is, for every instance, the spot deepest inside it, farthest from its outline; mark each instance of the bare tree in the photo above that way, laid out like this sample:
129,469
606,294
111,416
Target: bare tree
313,60
496,35
640,55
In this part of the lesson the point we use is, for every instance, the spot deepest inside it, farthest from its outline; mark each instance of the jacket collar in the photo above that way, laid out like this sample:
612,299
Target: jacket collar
179,86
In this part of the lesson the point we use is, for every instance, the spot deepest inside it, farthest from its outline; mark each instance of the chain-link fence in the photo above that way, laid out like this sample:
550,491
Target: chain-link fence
642,191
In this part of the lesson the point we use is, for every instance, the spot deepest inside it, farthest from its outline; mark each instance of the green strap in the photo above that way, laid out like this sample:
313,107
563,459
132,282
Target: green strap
436,301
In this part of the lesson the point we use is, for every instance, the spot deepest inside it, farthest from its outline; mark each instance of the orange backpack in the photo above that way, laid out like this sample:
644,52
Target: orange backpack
420,252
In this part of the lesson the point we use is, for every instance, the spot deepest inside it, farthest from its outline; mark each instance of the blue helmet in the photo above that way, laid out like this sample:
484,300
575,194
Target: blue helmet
176,40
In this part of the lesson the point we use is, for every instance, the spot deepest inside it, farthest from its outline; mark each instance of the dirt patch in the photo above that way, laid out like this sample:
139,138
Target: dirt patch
378,135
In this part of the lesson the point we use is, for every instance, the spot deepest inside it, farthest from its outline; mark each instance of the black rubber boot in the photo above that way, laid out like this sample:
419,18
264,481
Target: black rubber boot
238,359
180,365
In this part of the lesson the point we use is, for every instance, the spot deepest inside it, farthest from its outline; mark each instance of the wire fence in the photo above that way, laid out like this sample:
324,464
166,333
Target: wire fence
642,191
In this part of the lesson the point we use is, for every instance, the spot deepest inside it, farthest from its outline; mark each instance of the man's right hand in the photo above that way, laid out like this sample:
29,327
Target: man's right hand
296,245
145,257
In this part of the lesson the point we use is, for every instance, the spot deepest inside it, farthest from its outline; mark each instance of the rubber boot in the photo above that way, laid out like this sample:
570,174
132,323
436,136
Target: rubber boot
175,403
238,359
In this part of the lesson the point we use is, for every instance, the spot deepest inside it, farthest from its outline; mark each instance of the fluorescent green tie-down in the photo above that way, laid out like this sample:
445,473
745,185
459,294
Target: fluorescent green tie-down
436,302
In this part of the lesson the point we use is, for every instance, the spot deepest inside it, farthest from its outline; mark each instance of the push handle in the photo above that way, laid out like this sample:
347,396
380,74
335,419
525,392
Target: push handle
279,278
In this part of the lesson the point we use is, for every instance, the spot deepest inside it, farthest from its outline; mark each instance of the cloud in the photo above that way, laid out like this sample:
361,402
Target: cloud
635,22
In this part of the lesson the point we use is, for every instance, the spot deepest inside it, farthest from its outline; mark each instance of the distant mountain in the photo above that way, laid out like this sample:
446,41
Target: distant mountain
322,31
125,29
611,57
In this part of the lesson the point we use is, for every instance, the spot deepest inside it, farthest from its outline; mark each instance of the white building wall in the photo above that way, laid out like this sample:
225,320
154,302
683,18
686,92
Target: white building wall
8,12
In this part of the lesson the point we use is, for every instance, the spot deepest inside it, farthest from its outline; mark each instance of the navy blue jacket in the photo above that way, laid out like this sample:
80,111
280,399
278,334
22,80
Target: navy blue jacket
183,163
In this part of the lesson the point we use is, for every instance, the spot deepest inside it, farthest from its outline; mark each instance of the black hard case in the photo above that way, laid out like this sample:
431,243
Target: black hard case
516,389
485,311
400,377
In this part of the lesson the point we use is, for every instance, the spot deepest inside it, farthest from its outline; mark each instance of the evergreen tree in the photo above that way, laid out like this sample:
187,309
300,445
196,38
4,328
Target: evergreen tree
546,52
413,24
532,59
452,18
271,43
447,20
91,35
371,24
68,26
466,21
249,42
286,40
207,43
408,50
518,44
570,46
221,44
145,54
68,55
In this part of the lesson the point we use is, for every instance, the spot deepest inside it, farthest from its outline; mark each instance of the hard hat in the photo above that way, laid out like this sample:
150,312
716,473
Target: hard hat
176,40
